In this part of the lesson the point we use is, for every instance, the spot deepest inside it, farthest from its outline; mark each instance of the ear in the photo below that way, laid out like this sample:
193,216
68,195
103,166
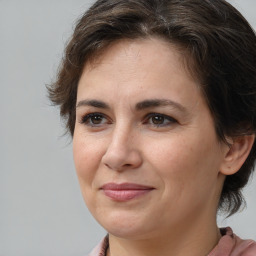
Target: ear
236,154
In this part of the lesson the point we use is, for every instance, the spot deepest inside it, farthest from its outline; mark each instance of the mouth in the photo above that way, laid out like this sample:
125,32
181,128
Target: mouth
125,191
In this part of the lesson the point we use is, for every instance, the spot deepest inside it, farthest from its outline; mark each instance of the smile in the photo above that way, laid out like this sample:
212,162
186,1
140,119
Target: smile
125,191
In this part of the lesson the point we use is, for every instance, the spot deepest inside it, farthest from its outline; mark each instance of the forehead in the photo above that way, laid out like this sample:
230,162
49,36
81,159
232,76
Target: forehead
136,49
147,55
146,64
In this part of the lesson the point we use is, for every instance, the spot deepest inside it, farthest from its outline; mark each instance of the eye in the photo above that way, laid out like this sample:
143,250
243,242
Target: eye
159,120
94,119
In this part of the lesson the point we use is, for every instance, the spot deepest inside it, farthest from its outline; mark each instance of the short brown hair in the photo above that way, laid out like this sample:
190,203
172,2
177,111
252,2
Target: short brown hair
219,48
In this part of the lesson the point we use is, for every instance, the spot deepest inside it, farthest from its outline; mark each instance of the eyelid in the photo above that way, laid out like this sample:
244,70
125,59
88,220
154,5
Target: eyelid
84,118
167,119
171,120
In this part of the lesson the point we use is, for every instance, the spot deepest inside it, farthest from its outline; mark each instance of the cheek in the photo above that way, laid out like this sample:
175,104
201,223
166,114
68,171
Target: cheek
183,159
173,156
86,157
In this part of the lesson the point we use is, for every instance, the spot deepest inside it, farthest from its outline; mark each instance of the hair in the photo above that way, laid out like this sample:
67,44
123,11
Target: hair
219,49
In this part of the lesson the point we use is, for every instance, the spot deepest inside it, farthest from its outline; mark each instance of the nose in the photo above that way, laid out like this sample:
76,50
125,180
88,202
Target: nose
122,152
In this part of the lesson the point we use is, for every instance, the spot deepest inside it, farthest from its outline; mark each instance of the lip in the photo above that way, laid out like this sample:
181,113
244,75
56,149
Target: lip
125,191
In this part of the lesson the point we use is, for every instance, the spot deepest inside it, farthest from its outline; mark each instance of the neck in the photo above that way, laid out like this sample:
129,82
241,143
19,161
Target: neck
196,241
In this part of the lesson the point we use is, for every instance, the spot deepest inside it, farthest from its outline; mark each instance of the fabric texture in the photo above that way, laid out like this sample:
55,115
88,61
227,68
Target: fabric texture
229,245
232,245
101,248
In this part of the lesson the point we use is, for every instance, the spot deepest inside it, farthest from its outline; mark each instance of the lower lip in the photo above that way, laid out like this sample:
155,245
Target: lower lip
125,195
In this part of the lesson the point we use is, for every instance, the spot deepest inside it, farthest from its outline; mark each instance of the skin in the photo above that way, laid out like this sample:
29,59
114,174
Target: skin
178,154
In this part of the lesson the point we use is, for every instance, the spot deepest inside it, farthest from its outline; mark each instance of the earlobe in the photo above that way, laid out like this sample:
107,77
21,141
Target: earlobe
237,154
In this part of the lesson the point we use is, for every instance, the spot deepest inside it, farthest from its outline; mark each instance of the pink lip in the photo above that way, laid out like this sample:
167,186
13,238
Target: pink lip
125,191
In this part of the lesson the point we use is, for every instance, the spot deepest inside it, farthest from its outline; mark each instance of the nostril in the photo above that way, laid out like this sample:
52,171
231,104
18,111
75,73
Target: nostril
118,168
121,158
108,166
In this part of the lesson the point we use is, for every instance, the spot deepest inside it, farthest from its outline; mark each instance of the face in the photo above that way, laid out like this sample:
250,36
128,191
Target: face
145,148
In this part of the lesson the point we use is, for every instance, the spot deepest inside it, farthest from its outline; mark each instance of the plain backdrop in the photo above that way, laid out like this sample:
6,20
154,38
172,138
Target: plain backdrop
42,212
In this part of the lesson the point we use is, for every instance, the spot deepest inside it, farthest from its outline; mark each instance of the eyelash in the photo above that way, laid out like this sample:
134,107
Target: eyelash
87,119
170,120
167,120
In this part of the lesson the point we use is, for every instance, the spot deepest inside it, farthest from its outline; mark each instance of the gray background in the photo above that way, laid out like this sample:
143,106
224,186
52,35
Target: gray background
41,209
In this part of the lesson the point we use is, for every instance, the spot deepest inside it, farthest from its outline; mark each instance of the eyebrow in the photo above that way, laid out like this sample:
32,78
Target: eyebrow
93,103
159,103
139,106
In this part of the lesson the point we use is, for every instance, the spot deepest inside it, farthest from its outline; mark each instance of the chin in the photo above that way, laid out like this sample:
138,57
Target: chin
124,225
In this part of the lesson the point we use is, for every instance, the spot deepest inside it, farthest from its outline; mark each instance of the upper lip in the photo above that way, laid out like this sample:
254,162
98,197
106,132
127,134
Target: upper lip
125,186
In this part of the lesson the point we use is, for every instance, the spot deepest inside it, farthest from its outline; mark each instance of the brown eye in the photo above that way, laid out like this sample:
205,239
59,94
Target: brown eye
157,120
94,119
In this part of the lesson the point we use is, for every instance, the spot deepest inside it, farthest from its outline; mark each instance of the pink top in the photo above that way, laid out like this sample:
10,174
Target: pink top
229,245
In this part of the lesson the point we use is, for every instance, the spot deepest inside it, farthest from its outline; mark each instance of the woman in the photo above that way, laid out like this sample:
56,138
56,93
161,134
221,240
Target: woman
160,99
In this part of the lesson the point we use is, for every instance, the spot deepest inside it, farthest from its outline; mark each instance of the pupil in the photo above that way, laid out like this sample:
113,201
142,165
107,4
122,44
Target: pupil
96,119
158,119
